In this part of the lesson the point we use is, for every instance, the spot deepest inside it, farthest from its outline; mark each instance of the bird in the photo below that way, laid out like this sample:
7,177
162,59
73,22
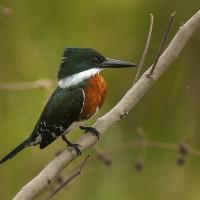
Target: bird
80,94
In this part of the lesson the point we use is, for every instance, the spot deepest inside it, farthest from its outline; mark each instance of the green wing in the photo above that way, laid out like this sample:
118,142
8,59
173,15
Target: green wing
62,109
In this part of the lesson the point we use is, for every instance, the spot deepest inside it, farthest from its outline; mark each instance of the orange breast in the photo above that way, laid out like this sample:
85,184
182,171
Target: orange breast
95,94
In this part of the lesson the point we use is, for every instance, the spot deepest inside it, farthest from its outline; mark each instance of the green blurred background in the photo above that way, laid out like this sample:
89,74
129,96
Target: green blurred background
33,35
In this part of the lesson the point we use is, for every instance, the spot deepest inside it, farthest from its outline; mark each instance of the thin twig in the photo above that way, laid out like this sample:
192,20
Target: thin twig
139,71
153,144
101,155
40,83
162,45
67,180
6,11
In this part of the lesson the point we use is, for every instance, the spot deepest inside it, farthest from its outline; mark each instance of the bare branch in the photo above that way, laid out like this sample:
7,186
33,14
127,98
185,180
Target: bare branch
67,180
131,98
152,144
162,45
139,71
103,156
41,83
6,11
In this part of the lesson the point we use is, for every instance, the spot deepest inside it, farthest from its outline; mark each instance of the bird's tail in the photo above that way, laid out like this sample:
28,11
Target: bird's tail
20,147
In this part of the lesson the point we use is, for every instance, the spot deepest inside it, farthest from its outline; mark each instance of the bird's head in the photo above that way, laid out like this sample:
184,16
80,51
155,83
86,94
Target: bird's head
77,60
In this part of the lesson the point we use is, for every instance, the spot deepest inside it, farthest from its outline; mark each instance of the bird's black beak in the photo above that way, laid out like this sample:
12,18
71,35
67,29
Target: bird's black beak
112,63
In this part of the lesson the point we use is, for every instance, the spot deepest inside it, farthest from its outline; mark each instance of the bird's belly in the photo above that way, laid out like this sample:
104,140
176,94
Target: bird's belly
94,96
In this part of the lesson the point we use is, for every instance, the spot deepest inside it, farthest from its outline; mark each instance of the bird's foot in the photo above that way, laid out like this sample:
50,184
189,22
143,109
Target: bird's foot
76,147
90,129
73,145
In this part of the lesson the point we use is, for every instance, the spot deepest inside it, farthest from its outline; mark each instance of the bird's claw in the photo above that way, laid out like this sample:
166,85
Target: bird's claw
92,130
76,147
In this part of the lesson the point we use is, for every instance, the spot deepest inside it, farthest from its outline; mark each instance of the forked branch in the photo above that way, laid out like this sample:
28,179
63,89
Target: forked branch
67,180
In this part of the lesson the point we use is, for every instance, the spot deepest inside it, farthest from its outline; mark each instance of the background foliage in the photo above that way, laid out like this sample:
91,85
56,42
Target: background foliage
33,35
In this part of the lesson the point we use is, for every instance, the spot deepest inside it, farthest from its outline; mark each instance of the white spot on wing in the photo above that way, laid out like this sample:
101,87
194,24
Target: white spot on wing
63,59
59,127
77,78
53,135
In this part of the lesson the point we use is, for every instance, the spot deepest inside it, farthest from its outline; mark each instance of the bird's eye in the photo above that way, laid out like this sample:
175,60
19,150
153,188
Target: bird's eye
96,60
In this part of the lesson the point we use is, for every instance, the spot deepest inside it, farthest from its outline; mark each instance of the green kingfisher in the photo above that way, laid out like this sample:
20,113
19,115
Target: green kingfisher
80,94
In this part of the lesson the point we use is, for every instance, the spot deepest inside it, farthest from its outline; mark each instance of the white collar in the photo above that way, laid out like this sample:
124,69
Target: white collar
77,78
